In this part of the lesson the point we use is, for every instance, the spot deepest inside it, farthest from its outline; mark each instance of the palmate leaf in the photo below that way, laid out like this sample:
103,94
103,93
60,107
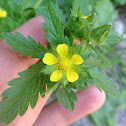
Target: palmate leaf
53,26
66,97
24,90
21,44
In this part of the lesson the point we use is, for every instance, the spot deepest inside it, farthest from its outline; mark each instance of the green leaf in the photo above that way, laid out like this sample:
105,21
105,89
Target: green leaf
79,28
23,90
84,49
95,20
80,82
91,63
25,3
90,19
86,74
21,44
29,13
53,26
105,83
46,2
100,34
107,48
51,86
82,4
70,86
113,38
59,13
104,58
49,69
106,11
86,27
66,98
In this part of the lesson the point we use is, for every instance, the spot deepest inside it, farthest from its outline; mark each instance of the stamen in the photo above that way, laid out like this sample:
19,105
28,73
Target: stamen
64,63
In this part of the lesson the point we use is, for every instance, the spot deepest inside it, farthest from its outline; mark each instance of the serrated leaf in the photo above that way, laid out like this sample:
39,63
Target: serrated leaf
105,83
51,86
53,26
84,50
45,2
86,26
86,74
113,38
49,69
79,28
95,20
107,48
82,4
29,13
103,58
70,86
91,62
25,3
66,98
100,34
59,13
21,44
80,82
24,90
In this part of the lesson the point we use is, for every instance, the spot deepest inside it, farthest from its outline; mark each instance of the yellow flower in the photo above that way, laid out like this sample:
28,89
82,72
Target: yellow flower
3,13
63,64
85,17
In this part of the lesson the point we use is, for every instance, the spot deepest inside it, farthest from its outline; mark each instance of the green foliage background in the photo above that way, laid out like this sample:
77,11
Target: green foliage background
20,11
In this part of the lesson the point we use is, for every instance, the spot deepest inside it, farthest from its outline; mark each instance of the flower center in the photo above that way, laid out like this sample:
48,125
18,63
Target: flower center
63,63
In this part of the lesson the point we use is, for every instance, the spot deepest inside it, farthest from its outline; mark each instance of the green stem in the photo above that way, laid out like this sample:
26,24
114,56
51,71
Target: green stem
38,3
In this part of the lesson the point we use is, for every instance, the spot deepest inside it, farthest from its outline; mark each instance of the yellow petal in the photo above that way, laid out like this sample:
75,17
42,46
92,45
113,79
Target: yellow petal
3,14
72,75
49,59
56,76
76,60
85,17
62,50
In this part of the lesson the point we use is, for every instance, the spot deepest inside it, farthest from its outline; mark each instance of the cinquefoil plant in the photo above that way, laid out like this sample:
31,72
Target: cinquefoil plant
64,66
